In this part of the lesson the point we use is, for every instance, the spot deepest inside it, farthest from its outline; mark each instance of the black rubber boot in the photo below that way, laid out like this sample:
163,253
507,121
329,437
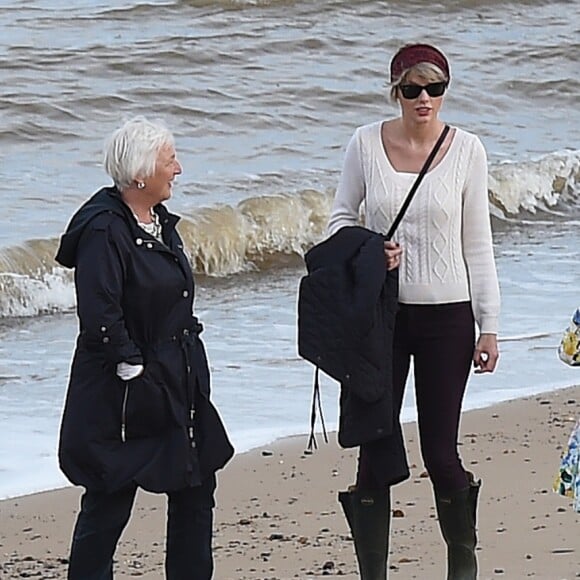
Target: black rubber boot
457,519
369,516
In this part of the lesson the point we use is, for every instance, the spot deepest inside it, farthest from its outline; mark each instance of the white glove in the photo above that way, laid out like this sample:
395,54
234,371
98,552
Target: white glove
127,371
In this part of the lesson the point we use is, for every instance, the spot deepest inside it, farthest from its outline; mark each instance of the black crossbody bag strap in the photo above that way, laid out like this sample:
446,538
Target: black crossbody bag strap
417,182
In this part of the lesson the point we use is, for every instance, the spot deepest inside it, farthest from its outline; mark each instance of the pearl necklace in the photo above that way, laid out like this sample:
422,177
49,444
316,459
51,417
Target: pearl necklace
153,228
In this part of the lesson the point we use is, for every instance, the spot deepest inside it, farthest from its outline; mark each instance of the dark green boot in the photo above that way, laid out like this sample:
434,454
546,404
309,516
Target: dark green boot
457,519
369,515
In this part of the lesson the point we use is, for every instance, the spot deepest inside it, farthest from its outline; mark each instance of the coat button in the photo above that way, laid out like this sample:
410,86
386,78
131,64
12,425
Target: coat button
149,245
138,241
185,293
105,339
103,329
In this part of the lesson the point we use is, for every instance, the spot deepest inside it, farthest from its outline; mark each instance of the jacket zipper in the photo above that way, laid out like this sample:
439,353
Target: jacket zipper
124,414
191,427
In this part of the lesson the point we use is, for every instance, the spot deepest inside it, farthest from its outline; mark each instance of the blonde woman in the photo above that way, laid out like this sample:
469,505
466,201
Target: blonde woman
447,287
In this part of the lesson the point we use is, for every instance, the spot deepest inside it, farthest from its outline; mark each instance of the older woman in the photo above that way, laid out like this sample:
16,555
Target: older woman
138,411
448,284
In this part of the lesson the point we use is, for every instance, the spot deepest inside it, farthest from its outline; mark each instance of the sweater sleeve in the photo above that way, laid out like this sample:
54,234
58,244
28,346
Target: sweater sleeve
478,243
351,188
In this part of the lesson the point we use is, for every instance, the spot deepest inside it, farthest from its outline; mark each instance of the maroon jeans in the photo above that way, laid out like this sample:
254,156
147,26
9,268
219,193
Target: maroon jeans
440,339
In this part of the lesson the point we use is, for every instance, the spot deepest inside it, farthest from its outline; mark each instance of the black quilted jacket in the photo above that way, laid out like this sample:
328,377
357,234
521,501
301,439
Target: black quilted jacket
346,314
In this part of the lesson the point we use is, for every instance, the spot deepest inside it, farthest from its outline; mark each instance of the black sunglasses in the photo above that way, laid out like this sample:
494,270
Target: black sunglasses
413,91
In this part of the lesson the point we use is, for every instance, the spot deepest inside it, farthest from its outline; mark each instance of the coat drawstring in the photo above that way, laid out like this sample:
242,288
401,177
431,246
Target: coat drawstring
316,403
189,335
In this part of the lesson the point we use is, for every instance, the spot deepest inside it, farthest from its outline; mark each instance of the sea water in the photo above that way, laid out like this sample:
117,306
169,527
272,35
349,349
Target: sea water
262,97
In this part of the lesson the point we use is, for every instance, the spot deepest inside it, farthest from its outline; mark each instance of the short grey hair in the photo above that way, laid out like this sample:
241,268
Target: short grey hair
426,71
131,151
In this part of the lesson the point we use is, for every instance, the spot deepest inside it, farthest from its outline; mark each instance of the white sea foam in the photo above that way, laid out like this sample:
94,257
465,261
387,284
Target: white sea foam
546,183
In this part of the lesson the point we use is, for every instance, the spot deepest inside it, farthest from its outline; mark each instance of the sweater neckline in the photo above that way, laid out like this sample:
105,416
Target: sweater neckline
448,153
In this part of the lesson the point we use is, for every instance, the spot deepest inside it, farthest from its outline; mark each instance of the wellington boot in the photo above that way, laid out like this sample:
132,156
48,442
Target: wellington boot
457,519
368,515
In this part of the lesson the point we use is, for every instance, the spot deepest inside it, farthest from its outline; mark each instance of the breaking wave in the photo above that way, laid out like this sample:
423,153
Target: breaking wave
259,233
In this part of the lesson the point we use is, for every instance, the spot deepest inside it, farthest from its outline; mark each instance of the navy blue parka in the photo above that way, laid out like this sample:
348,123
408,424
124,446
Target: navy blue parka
135,304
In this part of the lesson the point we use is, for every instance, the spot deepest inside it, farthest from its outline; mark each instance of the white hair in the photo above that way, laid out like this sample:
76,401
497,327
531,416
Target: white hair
131,151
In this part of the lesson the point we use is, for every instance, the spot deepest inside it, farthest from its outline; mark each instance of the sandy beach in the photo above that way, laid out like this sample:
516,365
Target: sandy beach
278,518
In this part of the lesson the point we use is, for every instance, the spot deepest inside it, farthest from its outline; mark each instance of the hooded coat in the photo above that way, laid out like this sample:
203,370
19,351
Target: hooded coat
135,304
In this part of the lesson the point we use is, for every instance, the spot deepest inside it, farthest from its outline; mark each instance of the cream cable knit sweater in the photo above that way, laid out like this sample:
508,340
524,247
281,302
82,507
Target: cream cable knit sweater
446,232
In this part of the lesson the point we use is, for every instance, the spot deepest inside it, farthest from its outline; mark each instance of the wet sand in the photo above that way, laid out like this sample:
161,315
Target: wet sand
277,516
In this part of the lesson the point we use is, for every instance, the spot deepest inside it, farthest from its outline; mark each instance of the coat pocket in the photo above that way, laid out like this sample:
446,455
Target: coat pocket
145,408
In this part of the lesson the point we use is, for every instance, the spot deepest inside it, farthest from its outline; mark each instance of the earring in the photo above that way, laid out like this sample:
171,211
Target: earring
140,185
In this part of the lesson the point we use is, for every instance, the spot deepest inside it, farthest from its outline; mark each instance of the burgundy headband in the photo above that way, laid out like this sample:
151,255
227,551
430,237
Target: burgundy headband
413,54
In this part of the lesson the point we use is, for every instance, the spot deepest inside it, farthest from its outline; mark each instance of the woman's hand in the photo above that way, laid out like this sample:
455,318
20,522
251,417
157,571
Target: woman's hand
393,255
127,371
486,354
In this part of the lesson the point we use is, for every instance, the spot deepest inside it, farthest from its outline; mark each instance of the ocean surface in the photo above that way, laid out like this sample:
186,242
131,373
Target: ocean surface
262,97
